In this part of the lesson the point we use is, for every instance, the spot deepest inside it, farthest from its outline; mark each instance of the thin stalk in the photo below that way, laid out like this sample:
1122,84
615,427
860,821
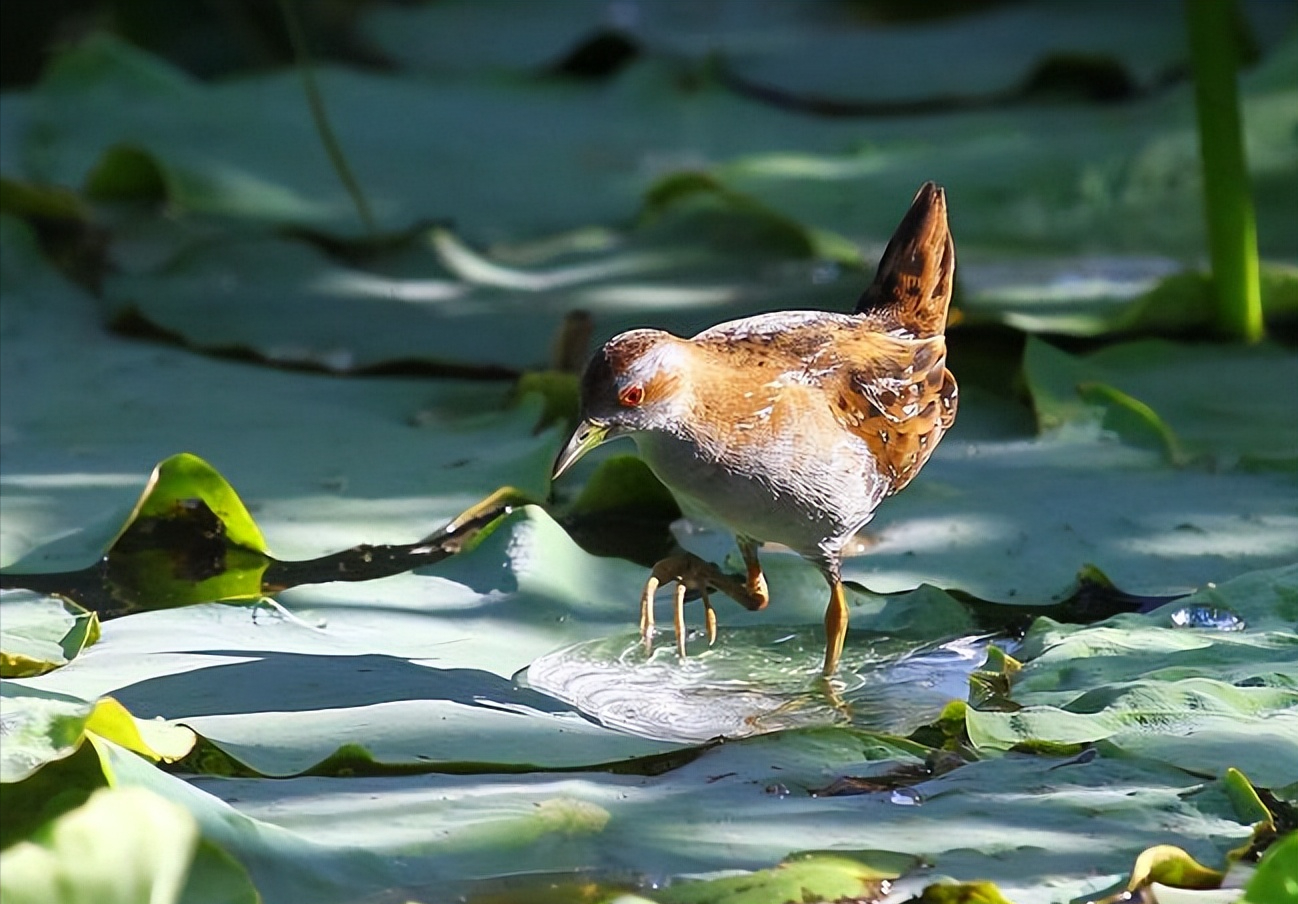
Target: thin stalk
321,119
1232,228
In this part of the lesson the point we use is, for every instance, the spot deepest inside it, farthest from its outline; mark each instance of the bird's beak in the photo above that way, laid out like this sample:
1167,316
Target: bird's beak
588,435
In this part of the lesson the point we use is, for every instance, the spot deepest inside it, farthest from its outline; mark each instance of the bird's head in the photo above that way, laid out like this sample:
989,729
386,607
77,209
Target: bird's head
632,385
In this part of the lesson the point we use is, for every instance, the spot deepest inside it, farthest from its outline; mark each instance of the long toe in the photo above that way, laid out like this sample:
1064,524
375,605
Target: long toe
710,618
647,612
679,612
690,573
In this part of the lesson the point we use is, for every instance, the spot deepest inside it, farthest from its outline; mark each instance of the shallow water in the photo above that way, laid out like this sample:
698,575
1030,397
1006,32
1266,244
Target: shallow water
756,680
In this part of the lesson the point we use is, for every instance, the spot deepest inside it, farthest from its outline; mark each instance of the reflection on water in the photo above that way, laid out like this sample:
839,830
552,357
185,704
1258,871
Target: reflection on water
757,680
1214,619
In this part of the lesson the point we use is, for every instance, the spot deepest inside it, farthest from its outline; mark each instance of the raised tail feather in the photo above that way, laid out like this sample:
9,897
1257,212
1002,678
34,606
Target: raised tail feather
912,287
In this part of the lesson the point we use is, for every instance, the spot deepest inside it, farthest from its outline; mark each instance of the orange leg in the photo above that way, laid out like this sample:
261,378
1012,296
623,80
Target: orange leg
835,626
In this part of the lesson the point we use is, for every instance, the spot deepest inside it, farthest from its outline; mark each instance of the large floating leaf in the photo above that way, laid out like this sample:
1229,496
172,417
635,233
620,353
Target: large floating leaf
41,726
253,295
359,462
819,53
1198,724
1056,176
1096,295
40,633
1210,401
747,804
467,37
1200,698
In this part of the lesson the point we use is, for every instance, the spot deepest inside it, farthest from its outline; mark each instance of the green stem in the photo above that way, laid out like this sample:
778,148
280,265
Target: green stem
321,119
1232,230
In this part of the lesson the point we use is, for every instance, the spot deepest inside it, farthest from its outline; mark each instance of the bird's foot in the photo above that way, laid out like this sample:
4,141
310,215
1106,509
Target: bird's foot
690,573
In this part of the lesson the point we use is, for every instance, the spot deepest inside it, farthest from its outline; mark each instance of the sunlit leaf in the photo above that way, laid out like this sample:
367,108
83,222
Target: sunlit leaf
181,479
1188,696
1247,803
962,893
1169,865
1276,879
39,633
42,726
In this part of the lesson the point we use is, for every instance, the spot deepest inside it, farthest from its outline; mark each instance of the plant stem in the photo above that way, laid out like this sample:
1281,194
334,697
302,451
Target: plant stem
321,119
1232,229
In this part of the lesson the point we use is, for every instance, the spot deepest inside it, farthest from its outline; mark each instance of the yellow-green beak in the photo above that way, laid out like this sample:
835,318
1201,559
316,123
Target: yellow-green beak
588,435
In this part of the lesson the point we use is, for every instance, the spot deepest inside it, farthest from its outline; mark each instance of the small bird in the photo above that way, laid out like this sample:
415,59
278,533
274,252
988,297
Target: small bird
788,427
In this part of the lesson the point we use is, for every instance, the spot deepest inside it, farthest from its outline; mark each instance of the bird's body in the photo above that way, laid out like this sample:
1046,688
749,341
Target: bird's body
789,427
806,376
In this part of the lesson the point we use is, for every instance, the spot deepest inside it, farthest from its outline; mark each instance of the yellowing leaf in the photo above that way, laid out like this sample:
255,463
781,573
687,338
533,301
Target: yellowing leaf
1169,865
154,739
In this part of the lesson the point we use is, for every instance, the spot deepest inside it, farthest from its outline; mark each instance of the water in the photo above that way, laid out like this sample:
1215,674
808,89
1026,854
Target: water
1209,617
757,680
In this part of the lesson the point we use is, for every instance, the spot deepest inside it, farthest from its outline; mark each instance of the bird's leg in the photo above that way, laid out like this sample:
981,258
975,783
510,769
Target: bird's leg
690,573
757,595
835,625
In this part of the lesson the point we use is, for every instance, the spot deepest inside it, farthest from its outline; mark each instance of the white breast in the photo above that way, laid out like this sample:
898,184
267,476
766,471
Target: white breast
786,488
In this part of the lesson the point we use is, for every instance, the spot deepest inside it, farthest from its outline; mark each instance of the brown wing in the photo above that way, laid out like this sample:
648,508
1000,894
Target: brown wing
894,392
912,288
898,396
766,345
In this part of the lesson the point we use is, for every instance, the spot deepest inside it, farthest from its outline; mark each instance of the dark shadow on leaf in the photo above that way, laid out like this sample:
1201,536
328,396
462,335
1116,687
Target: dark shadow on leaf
296,682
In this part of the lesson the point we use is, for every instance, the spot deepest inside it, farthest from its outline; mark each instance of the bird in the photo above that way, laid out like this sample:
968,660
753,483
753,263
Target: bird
787,427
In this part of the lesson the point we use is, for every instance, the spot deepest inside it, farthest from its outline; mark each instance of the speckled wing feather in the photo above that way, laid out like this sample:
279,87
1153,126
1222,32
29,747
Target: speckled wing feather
894,392
779,341
898,396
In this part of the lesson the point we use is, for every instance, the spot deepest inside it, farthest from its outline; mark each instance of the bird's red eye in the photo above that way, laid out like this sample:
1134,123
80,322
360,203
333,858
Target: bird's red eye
632,395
